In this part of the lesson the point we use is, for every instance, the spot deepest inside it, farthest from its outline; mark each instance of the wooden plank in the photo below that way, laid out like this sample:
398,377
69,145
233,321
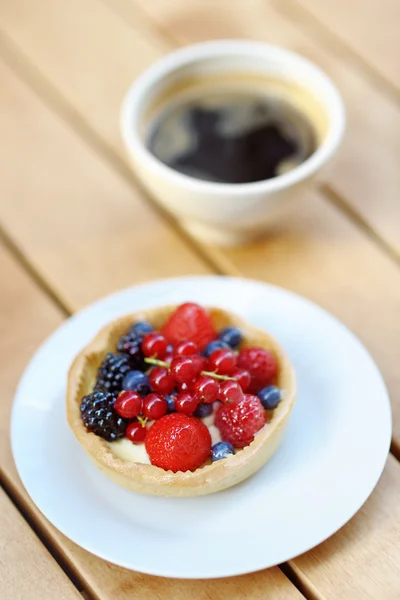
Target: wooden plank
362,560
86,51
369,29
369,542
321,255
26,316
320,241
365,171
331,256
25,564
89,231
88,37
180,23
309,241
365,174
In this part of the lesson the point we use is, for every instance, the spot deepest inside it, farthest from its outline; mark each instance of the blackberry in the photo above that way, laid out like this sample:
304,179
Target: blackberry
99,416
112,372
131,344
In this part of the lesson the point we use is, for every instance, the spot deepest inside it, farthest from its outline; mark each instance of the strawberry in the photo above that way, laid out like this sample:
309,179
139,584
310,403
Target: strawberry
261,364
190,322
238,423
178,442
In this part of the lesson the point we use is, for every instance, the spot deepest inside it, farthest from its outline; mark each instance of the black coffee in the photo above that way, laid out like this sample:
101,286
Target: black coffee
232,137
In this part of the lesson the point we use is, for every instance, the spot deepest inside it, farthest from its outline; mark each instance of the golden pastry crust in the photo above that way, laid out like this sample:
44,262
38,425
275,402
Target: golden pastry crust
149,479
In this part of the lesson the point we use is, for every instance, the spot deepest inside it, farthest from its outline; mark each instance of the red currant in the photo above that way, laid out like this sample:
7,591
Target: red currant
230,391
186,403
242,377
206,389
183,369
200,363
185,349
161,381
154,407
128,404
185,387
223,361
167,356
154,344
135,432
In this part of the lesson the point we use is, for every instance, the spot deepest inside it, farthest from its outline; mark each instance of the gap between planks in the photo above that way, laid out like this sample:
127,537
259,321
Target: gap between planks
214,259
288,10
39,84
69,568
43,537
332,196
295,10
37,81
34,273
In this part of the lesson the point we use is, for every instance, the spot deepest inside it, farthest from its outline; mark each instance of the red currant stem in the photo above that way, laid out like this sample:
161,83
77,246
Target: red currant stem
217,376
142,420
159,363
162,363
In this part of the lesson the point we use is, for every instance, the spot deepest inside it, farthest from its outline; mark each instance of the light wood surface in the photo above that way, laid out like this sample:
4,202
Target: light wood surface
369,30
23,304
27,570
78,227
92,239
83,230
365,174
362,560
114,42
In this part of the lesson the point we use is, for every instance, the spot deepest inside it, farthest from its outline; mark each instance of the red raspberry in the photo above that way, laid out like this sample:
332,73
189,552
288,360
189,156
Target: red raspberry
238,423
190,322
262,366
178,442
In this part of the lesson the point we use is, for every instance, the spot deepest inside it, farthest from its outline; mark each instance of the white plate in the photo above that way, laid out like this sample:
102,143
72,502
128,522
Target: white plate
332,456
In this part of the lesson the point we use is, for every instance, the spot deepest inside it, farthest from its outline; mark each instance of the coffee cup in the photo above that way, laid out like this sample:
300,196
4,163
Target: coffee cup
215,211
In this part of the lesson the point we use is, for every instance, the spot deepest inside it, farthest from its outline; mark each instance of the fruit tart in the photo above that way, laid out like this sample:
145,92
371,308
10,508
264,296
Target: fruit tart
180,400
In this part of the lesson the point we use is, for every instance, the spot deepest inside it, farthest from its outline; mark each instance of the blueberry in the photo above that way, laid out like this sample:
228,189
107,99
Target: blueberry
136,381
216,345
231,336
270,397
203,410
170,398
141,328
221,450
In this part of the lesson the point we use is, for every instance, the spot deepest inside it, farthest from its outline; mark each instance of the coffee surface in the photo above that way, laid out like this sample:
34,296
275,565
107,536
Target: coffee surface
232,137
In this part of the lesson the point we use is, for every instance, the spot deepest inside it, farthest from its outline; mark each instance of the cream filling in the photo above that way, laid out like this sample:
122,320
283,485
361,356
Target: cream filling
127,451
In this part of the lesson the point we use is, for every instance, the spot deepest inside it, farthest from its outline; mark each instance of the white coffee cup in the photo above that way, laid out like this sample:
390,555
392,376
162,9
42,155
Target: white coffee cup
228,213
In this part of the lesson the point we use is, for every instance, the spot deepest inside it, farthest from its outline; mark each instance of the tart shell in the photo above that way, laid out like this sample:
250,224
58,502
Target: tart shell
149,479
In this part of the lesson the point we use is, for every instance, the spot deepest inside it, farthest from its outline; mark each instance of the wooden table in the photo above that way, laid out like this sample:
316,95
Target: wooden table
75,226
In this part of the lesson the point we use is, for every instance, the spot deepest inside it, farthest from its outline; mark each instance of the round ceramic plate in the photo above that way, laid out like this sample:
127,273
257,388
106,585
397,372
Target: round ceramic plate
333,453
